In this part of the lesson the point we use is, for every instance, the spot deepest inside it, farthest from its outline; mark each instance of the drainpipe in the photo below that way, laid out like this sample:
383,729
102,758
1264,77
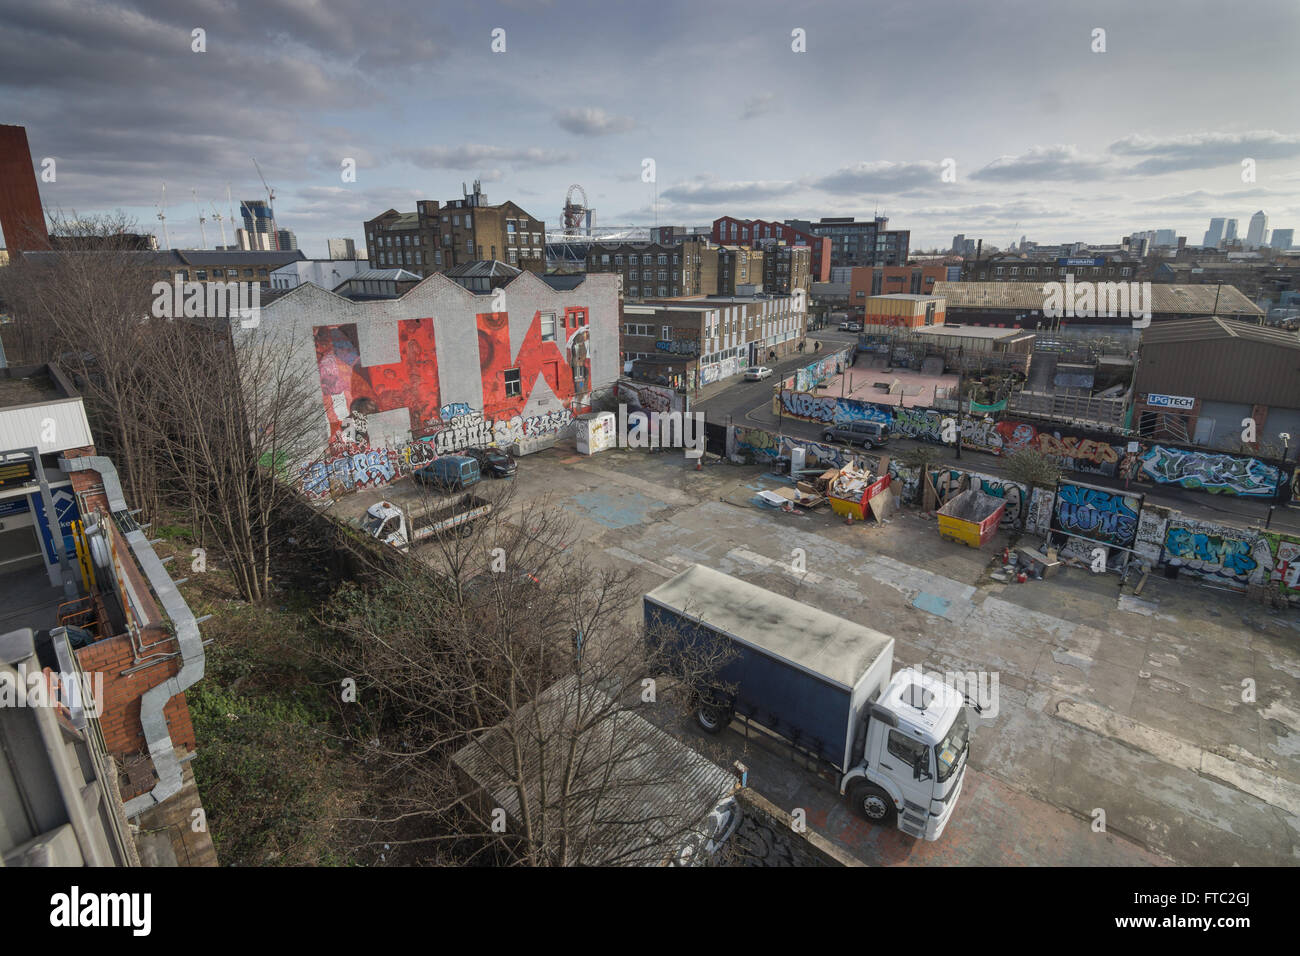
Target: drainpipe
157,736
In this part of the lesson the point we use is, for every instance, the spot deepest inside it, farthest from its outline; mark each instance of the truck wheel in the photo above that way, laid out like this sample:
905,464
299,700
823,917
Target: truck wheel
466,529
872,803
827,437
711,717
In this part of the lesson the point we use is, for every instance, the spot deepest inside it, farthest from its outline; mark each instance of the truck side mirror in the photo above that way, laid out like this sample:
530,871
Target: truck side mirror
919,771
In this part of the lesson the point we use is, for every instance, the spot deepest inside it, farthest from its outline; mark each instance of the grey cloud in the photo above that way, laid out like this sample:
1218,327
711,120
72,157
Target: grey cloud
881,176
474,155
593,122
1205,150
1043,163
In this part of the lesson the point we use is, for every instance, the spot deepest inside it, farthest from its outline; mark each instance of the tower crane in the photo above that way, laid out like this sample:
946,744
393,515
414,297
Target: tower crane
203,233
161,206
270,204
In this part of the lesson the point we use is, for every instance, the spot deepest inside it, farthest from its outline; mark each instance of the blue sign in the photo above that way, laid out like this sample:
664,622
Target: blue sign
65,510
14,506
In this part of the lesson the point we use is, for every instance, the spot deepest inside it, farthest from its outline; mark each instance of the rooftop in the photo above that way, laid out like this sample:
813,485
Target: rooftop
1166,298
1210,328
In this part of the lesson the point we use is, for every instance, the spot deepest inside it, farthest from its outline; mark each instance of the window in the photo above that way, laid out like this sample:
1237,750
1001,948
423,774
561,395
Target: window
663,259
912,752
548,326
634,291
663,290
604,260
469,223
201,275
513,386
455,220
668,332
632,261
618,260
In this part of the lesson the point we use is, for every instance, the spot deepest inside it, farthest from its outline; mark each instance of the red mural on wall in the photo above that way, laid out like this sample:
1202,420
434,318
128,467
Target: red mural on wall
508,380
352,391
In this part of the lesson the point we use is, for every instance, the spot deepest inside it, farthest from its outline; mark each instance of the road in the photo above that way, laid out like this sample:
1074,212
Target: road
750,403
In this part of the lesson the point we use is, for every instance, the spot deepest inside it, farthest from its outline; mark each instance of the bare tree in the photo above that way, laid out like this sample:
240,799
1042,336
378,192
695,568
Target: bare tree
505,665
235,415
85,305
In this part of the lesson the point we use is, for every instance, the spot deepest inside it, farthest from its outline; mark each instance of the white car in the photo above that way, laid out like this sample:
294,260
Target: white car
757,373
851,327
701,847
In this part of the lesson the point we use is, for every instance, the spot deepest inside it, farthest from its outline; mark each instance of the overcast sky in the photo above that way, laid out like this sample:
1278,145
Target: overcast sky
1050,139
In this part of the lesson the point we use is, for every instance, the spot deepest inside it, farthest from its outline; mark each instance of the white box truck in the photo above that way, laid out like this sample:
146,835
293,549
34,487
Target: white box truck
898,743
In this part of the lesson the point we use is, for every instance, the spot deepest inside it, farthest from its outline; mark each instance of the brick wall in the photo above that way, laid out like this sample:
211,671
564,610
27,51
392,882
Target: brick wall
119,717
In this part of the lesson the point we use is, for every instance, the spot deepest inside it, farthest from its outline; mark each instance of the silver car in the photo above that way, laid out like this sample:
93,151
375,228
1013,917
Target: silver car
866,434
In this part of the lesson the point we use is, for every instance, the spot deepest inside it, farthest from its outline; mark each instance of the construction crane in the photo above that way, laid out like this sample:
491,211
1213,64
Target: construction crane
203,233
221,221
161,206
270,204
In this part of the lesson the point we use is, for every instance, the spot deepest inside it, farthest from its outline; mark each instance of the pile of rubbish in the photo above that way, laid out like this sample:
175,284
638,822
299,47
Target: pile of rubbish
851,482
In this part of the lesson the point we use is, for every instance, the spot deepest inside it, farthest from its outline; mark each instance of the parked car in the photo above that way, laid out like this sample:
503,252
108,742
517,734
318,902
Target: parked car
851,327
702,846
866,434
451,472
757,373
493,462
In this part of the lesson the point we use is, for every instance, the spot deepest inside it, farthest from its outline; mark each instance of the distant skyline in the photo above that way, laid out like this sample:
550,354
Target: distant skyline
1051,140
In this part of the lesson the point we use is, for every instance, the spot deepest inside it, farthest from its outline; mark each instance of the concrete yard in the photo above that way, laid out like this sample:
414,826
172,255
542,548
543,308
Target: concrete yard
1131,707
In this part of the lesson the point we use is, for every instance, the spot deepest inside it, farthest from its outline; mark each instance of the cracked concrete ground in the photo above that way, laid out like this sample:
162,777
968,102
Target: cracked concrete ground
1128,712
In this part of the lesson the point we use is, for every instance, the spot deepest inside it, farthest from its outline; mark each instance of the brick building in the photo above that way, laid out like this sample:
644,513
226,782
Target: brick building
437,236
658,270
854,243
867,281
689,343
21,217
728,230
84,596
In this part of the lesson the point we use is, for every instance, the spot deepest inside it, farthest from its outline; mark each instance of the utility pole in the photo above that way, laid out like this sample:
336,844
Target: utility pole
960,377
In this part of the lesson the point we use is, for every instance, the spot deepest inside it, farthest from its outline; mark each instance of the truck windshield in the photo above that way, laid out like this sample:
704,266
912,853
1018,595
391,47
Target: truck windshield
373,525
949,750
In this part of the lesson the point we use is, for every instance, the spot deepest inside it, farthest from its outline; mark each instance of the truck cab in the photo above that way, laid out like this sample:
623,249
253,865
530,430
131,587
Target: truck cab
387,523
916,738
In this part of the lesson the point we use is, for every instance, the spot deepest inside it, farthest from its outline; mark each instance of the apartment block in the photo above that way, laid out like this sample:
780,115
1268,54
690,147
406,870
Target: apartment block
691,343
437,236
728,230
854,243
658,270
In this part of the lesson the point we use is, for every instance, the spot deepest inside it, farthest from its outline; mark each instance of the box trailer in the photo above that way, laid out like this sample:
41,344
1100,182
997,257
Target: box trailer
898,743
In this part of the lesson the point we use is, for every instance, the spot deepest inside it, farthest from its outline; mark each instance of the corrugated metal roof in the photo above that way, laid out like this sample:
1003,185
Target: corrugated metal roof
1166,297
1209,327
634,789
804,635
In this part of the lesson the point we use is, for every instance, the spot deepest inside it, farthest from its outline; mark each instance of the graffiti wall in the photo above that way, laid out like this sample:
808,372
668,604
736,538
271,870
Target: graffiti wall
825,409
810,376
1094,453
354,392
1098,514
1210,471
1216,551
948,481
1286,561
717,371
651,398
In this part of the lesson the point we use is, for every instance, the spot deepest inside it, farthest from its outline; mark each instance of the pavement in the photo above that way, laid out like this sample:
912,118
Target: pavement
750,403
1121,736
